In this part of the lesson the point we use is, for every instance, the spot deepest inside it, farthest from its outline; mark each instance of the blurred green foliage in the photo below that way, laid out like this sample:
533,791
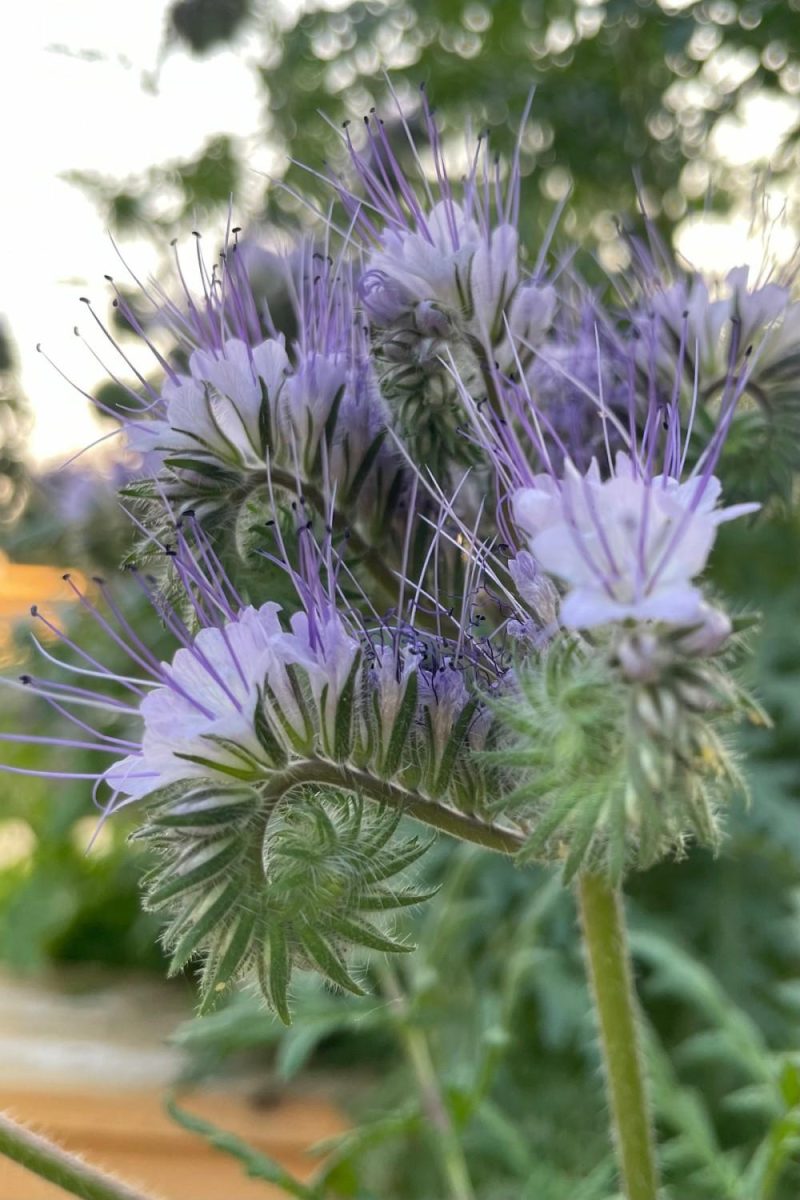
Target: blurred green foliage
497,989
622,87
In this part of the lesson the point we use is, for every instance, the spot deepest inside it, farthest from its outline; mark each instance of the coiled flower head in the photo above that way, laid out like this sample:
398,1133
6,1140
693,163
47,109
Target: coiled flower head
269,750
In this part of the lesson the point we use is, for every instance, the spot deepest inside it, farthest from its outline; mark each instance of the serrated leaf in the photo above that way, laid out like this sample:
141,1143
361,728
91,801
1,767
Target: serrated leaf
256,1164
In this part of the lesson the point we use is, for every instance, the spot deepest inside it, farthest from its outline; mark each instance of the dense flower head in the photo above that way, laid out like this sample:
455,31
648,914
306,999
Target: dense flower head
627,546
627,535
238,401
378,522
717,323
442,260
266,720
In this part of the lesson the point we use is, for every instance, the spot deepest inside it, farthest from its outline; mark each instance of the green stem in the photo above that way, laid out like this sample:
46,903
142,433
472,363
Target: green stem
445,1138
429,812
608,962
388,581
66,1171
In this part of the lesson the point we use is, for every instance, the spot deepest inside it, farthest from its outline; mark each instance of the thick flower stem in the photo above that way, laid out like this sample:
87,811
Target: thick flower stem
50,1162
608,963
430,812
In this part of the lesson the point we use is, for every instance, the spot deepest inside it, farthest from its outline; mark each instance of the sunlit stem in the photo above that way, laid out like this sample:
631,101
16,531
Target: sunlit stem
610,976
57,1166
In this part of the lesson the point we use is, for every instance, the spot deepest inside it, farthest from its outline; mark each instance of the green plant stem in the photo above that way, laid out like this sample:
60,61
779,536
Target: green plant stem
50,1162
608,963
373,560
445,1136
429,812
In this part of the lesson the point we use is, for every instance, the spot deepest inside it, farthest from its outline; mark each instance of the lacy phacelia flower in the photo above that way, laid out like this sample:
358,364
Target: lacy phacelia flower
627,538
255,732
436,265
244,406
718,326
628,546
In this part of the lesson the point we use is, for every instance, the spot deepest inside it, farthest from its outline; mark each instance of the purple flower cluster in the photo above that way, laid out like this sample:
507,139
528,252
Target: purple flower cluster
425,593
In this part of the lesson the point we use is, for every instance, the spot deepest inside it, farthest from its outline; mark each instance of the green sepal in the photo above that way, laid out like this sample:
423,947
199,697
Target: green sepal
388,901
207,810
402,724
264,420
205,871
203,921
362,934
212,765
329,429
208,470
224,961
324,957
385,865
546,825
581,834
453,747
275,971
343,728
365,466
268,739
302,742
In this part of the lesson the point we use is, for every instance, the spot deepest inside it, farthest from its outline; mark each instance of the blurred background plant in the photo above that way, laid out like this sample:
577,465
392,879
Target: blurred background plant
699,103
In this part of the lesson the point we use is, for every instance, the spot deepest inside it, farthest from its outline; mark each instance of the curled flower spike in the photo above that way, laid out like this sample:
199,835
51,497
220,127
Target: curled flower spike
268,747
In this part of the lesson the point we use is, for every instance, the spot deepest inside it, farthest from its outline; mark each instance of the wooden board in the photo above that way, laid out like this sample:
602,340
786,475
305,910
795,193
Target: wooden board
128,1134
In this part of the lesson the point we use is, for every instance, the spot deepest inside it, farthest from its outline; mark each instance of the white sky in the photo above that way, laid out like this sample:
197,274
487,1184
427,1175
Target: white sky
61,113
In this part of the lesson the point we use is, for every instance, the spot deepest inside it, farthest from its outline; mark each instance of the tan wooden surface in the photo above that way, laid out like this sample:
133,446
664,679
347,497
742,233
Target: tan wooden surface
128,1134
86,1057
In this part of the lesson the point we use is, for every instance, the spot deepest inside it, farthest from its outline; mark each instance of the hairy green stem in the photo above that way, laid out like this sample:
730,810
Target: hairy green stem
429,812
57,1166
608,963
445,1136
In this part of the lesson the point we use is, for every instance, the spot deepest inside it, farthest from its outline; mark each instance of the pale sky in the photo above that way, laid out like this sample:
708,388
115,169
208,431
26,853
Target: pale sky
63,112
65,109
